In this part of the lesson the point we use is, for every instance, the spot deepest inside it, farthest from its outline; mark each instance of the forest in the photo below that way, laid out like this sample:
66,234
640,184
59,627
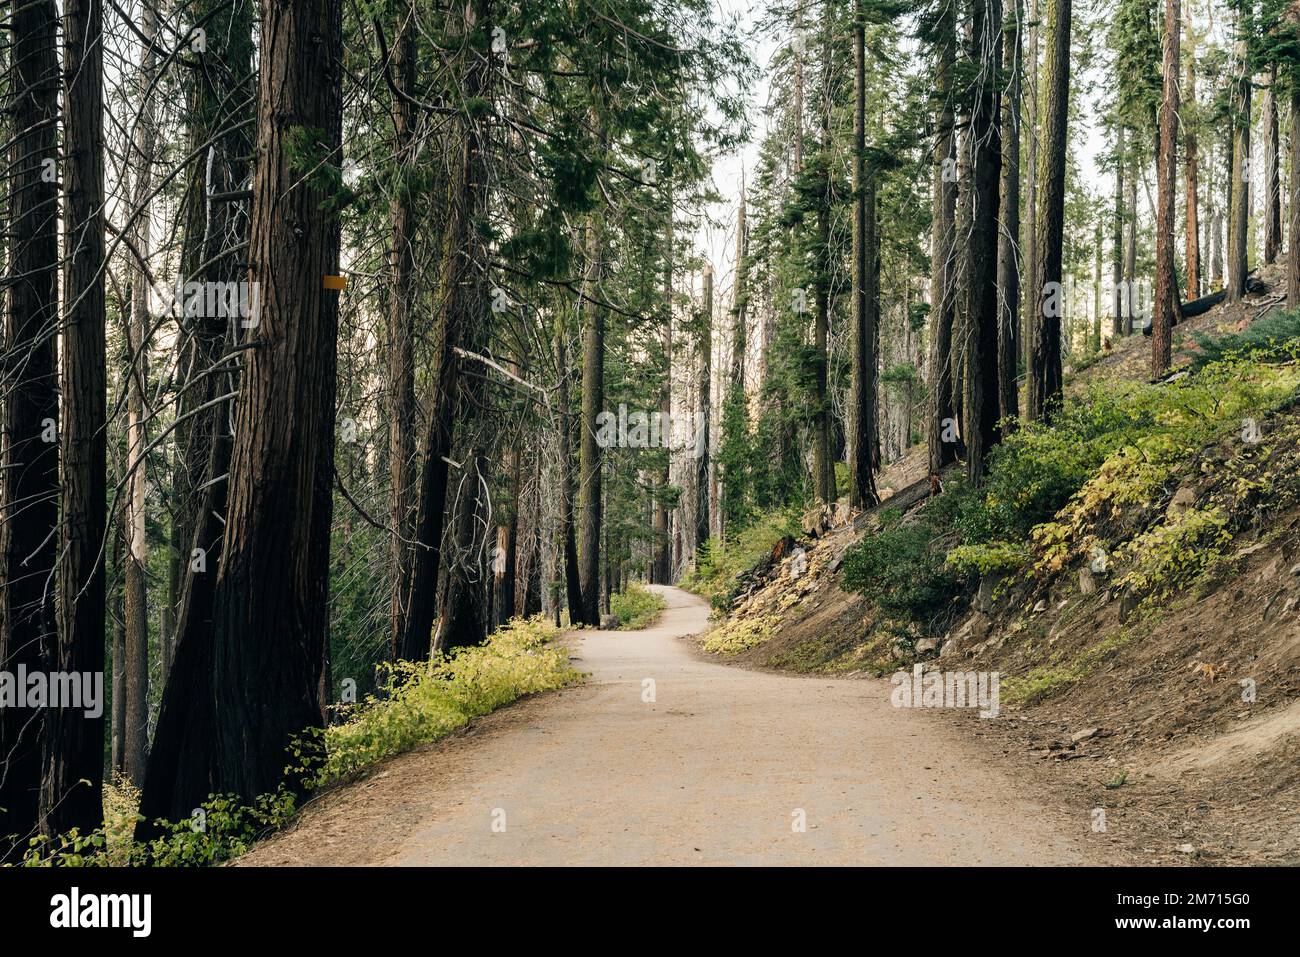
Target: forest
355,352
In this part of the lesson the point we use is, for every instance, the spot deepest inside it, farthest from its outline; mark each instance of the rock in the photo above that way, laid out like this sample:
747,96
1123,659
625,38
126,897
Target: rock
1087,584
836,563
609,622
1083,735
1185,849
984,597
1270,607
815,522
1182,501
980,625
1040,606
1128,604
798,563
925,646
1295,569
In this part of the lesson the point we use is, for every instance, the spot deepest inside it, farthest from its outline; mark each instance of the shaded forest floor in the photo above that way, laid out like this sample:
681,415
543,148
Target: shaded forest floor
1112,701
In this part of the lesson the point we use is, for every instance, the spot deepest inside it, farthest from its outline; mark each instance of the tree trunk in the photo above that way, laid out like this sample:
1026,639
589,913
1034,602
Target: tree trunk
1272,177
1008,265
940,429
1239,195
1030,304
593,403
864,437
136,560
705,386
569,543
1045,365
1117,236
979,292
270,612
1166,292
462,263
29,463
1193,247
401,364
663,559
74,770
1130,246
1293,230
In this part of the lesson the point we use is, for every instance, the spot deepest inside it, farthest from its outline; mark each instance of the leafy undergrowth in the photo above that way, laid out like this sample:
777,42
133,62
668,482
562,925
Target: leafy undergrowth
1148,485
717,564
733,637
636,607
419,703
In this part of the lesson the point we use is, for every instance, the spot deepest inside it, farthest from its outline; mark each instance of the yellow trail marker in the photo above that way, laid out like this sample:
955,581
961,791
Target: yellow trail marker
336,282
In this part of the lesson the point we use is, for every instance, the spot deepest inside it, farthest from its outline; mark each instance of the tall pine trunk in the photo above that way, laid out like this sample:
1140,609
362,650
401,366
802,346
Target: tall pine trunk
74,770
1008,265
29,460
1045,358
940,432
401,363
593,403
1165,307
461,296
864,436
1239,188
979,303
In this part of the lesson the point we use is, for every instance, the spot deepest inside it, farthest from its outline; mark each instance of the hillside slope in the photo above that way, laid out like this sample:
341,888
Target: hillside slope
1146,625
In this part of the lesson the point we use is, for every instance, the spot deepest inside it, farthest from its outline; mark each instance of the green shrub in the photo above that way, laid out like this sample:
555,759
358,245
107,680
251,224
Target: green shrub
901,569
718,563
636,607
421,702
1271,338
424,702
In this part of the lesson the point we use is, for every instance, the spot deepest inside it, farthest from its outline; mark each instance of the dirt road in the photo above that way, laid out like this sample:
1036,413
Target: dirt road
665,758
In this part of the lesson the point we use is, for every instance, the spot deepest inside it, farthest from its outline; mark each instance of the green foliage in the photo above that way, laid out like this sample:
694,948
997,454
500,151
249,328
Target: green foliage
736,635
420,703
1272,338
225,829
718,564
636,607
991,558
901,568
425,702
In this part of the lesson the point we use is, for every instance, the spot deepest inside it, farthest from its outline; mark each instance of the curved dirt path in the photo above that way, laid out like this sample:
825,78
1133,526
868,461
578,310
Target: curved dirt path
714,770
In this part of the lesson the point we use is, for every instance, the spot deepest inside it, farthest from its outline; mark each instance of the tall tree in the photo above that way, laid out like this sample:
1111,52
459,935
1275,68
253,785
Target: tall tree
137,323
979,293
1272,175
704,385
942,418
269,621
29,459
1044,389
1239,187
592,311
462,264
1008,265
1165,306
401,362
74,767
864,439
1192,258
1117,235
